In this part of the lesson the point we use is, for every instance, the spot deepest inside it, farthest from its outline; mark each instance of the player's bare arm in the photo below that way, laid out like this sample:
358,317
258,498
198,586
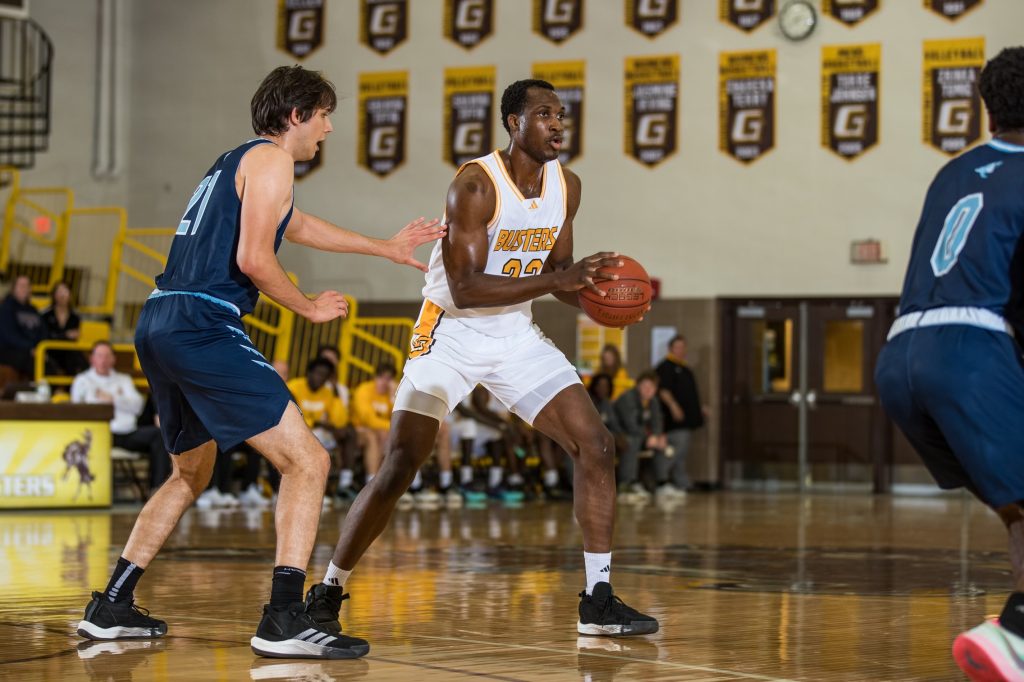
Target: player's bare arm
264,184
471,202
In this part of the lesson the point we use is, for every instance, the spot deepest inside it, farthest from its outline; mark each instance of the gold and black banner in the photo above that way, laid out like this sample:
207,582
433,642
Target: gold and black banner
383,24
849,98
849,12
568,79
651,17
468,113
746,104
303,169
952,9
652,108
468,22
746,14
383,103
952,105
557,20
300,26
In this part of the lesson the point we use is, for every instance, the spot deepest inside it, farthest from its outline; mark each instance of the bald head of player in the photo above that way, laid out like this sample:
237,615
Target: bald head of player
1002,87
291,107
532,114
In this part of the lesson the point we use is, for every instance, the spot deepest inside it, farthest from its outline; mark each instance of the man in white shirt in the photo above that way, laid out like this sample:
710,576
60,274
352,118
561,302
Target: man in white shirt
101,384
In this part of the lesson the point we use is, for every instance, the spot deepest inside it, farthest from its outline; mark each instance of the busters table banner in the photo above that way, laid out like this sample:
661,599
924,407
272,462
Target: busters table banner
468,113
746,14
568,79
383,102
468,22
54,464
849,98
951,103
651,17
746,104
300,26
383,24
652,108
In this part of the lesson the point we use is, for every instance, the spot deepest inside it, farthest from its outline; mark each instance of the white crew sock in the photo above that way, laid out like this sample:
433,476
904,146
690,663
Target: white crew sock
417,482
599,568
494,477
345,478
551,478
465,474
336,576
444,479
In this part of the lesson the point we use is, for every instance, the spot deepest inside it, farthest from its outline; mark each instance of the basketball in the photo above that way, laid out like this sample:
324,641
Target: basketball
627,299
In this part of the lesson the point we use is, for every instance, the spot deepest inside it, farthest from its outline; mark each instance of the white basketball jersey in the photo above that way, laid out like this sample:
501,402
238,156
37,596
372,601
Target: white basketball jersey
520,237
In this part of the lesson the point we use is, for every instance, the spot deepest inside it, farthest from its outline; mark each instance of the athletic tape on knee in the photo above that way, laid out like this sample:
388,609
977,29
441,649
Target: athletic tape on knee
409,399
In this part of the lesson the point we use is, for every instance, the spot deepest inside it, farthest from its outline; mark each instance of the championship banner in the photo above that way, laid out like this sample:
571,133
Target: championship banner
952,9
383,101
303,169
54,464
746,14
568,79
746,104
300,26
468,113
557,20
651,17
849,98
383,24
952,105
468,22
849,12
652,107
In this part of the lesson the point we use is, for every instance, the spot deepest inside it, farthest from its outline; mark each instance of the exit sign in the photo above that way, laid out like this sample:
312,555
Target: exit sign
867,252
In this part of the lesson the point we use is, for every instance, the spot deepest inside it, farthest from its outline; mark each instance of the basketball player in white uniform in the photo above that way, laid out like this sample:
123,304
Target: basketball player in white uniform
509,241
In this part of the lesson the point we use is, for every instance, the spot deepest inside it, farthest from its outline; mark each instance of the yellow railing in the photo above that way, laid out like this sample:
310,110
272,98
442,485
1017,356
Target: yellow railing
83,347
367,342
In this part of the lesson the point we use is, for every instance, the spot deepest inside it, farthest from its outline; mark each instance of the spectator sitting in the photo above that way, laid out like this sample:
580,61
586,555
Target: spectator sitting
639,415
21,328
372,402
611,364
333,355
100,384
62,324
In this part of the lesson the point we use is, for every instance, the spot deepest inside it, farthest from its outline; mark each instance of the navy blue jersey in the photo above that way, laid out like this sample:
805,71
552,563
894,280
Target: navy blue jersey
967,248
203,254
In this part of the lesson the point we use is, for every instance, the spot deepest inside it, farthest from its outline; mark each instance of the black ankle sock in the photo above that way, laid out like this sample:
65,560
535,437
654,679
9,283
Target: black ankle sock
123,580
287,585
1012,617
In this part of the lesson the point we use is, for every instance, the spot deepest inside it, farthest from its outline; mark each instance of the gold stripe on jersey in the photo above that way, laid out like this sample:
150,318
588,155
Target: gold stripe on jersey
565,192
514,186
423,333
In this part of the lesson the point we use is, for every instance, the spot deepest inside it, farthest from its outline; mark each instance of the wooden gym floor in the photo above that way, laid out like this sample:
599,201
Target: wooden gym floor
747,587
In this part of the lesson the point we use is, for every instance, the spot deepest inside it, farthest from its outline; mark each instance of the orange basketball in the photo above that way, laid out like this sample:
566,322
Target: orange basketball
627,299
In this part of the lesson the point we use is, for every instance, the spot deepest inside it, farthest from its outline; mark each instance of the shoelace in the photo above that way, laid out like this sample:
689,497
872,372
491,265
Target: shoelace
139,610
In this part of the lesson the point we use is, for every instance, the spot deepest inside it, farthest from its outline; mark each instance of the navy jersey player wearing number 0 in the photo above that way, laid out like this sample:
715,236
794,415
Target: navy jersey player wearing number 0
951,375
213,388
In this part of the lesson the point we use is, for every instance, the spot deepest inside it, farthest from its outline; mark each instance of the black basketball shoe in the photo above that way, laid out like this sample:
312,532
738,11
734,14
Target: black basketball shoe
291,632
105,619
602,613
323,604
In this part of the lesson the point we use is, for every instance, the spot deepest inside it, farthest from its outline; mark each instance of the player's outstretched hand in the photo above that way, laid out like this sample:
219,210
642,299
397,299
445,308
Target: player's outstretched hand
328,306
409,238
583,273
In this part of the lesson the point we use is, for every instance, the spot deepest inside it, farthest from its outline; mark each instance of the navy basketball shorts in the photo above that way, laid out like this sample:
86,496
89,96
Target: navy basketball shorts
957,393
206,378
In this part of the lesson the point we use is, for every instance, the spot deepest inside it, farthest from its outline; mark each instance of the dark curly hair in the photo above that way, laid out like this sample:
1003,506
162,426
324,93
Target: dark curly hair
1002,87
513,100
287,88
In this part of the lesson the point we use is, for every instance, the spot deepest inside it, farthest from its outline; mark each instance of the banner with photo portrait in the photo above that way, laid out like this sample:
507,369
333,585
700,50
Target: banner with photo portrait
849,98
746,15
468,23
557,20
951,104
300,26
746,104
849,12
383,103
952,9
383,24
468,113
652,108
651,17
569,79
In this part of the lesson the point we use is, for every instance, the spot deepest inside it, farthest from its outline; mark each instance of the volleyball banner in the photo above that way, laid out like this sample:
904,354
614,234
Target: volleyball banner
568,79
54,464
951,103
300,26
468,22
383,24
746,104
746,15
468,113
383,102
952,9
651,17
557,20
652,108
849,12
849,98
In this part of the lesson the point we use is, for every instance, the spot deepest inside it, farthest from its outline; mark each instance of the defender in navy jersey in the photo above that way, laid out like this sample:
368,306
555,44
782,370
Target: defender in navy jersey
213,388
951,375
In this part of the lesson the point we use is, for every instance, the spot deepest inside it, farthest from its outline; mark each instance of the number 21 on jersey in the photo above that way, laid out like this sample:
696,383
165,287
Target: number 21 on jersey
955,231
203,191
